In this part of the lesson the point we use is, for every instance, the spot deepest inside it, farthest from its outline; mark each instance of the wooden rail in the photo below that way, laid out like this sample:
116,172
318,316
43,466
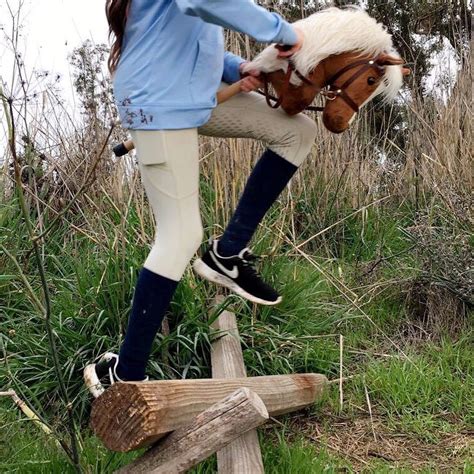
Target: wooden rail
188,420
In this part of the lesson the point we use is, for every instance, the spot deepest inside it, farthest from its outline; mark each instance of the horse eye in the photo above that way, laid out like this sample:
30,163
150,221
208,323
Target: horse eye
371,81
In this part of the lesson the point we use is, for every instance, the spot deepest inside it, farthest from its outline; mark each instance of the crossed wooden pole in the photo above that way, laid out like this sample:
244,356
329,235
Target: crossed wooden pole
222,96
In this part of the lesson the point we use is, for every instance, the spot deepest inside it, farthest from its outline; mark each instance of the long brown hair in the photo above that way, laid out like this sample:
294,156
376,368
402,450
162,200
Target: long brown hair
116,12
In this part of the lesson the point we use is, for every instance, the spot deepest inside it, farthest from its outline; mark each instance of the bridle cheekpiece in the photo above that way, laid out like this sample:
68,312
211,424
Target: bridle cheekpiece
330,90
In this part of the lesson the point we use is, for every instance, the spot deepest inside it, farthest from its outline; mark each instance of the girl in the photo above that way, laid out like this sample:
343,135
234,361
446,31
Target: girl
168,62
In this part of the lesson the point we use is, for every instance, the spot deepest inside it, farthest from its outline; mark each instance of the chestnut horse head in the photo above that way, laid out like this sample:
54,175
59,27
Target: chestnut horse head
349,68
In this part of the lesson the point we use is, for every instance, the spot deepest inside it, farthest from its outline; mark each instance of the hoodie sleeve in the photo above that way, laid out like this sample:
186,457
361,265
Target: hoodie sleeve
243,16
232,63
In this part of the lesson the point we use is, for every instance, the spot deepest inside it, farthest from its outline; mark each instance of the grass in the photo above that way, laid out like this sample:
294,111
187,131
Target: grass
423,396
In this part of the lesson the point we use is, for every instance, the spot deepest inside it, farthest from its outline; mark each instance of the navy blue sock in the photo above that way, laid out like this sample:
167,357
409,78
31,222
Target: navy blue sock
152,297
267,180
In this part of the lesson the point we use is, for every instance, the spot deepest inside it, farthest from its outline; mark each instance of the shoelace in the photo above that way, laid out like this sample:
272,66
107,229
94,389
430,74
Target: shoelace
111,376
249,262
115,378
112,373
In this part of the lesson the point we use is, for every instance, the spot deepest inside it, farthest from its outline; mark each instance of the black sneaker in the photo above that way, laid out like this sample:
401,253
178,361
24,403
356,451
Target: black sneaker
236,273
101,375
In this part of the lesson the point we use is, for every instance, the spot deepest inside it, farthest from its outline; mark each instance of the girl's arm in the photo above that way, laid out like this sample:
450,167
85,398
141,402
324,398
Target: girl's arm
243,16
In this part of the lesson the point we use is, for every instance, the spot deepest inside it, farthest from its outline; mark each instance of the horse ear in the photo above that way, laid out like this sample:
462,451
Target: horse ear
406,71
387,60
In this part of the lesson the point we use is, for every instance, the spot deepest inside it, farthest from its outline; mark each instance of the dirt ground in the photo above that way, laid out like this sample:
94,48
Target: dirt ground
361,440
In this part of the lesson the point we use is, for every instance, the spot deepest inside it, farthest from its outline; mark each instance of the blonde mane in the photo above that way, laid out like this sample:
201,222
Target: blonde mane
334,31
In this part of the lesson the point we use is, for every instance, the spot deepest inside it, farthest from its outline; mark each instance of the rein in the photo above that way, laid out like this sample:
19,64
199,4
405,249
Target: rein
333,91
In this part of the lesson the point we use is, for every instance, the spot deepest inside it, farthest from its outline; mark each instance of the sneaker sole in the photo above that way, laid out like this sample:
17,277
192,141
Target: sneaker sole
208,273
92,382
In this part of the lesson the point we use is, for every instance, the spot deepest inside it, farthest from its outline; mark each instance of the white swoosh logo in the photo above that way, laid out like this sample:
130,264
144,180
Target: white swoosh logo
234,273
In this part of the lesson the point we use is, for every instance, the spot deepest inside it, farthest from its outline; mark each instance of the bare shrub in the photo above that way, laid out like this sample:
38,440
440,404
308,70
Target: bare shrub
439,298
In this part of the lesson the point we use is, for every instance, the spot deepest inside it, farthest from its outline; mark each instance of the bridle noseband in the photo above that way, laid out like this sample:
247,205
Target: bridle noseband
329,90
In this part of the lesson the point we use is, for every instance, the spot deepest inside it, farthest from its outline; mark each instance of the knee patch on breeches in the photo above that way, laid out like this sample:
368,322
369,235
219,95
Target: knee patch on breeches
248,116
295,145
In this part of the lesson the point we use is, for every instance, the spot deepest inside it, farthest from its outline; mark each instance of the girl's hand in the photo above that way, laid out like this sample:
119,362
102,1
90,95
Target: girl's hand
284,53
251,81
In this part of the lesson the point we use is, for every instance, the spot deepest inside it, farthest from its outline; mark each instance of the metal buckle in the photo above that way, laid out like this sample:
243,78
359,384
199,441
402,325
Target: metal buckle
331,95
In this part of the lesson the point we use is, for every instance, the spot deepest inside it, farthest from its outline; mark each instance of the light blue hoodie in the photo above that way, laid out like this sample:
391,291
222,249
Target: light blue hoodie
173,58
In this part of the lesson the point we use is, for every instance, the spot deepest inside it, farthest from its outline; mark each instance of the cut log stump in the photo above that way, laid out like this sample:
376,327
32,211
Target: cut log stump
131,415
208,432
242,456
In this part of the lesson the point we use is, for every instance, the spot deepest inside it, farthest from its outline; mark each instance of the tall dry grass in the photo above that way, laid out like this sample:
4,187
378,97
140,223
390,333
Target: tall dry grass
432,160
342,172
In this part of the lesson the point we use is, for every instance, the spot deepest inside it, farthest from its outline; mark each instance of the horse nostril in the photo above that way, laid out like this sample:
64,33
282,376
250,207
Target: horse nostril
335,123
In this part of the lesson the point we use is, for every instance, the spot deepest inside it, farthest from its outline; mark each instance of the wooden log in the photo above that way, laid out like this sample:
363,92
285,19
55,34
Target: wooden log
208,432
242,455
130,415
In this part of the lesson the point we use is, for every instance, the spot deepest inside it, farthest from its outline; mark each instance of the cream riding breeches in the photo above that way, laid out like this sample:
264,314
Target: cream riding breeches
169,167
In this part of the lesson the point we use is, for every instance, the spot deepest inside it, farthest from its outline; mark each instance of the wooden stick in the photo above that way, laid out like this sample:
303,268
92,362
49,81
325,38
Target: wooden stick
228,92
242,455
131,415
341,355
28,412
222,96
208,432
369,406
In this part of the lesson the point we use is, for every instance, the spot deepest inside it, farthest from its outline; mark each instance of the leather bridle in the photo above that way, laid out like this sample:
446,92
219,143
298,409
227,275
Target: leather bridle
329,90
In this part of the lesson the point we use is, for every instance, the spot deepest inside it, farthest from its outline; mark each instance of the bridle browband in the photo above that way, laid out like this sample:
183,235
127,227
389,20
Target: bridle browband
329,89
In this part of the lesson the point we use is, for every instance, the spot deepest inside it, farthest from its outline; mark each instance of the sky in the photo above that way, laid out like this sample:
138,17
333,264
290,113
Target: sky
50,30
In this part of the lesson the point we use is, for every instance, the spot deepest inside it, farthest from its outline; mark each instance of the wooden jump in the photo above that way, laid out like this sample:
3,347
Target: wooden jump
201,417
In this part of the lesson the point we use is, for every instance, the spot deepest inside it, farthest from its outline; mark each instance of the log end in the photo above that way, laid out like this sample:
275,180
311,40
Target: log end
254,400
122,417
